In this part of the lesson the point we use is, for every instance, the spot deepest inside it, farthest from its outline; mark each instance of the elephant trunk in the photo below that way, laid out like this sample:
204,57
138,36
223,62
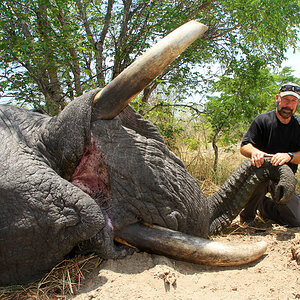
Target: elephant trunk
227,203
189,248
114,97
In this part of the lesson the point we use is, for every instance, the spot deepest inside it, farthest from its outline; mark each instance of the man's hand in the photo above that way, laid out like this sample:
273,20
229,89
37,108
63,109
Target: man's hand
258,158
279,159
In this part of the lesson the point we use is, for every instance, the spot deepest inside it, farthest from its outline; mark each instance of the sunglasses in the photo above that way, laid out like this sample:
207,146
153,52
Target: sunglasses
289,87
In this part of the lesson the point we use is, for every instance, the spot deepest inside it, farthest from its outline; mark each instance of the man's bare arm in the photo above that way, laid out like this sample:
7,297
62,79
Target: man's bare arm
257,156
296,159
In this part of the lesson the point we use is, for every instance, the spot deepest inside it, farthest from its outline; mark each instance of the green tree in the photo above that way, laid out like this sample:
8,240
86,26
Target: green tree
242,92
54,50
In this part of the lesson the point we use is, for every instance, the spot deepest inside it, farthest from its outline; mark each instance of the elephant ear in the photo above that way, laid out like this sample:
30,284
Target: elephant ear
63,138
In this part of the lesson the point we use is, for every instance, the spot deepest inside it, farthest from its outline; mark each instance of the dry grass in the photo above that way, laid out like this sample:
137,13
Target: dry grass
63,280
200,165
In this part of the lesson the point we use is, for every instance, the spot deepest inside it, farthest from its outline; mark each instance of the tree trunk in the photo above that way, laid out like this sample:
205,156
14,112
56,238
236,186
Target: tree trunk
97,45
74,63
119,45
216,152
53,91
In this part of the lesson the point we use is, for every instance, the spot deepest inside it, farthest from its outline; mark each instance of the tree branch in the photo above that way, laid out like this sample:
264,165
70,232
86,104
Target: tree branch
199,112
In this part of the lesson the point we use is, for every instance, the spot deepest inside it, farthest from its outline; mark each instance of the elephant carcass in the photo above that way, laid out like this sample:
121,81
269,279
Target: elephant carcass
96,169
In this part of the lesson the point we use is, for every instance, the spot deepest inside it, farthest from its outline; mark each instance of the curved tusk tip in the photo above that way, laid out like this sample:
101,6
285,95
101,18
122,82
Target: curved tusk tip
262,245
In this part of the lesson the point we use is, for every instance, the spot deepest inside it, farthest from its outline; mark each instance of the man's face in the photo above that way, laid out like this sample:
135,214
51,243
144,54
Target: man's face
286,105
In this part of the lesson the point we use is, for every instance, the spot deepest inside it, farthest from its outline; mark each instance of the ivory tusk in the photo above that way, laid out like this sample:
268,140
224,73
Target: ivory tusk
193,249
114,97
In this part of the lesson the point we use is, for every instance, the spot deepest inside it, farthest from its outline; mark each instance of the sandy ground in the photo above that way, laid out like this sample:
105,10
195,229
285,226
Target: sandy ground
147,276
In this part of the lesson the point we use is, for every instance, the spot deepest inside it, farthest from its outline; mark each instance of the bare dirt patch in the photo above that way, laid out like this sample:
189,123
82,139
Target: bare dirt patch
147,276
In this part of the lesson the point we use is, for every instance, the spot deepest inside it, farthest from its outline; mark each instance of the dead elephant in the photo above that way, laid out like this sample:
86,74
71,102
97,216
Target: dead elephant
98,170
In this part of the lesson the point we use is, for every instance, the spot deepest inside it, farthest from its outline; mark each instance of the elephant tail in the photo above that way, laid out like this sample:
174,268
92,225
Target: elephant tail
227,203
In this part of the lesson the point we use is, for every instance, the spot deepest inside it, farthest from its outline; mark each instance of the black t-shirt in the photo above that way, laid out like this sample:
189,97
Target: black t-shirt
268,134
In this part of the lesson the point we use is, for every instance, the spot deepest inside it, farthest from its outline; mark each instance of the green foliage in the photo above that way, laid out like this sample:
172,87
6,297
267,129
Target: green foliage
54,50
164,117
192,143
242,92
169,131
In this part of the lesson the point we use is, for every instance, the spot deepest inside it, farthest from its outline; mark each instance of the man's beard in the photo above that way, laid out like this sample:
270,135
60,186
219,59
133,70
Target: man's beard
285,112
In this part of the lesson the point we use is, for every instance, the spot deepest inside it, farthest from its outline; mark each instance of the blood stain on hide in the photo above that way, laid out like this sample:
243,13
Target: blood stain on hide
91,175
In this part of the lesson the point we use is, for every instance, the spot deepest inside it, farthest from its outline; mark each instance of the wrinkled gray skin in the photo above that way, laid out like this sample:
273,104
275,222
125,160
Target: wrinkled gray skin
66,181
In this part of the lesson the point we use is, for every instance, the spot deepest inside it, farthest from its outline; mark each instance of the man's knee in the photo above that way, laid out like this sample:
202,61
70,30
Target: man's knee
283,214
